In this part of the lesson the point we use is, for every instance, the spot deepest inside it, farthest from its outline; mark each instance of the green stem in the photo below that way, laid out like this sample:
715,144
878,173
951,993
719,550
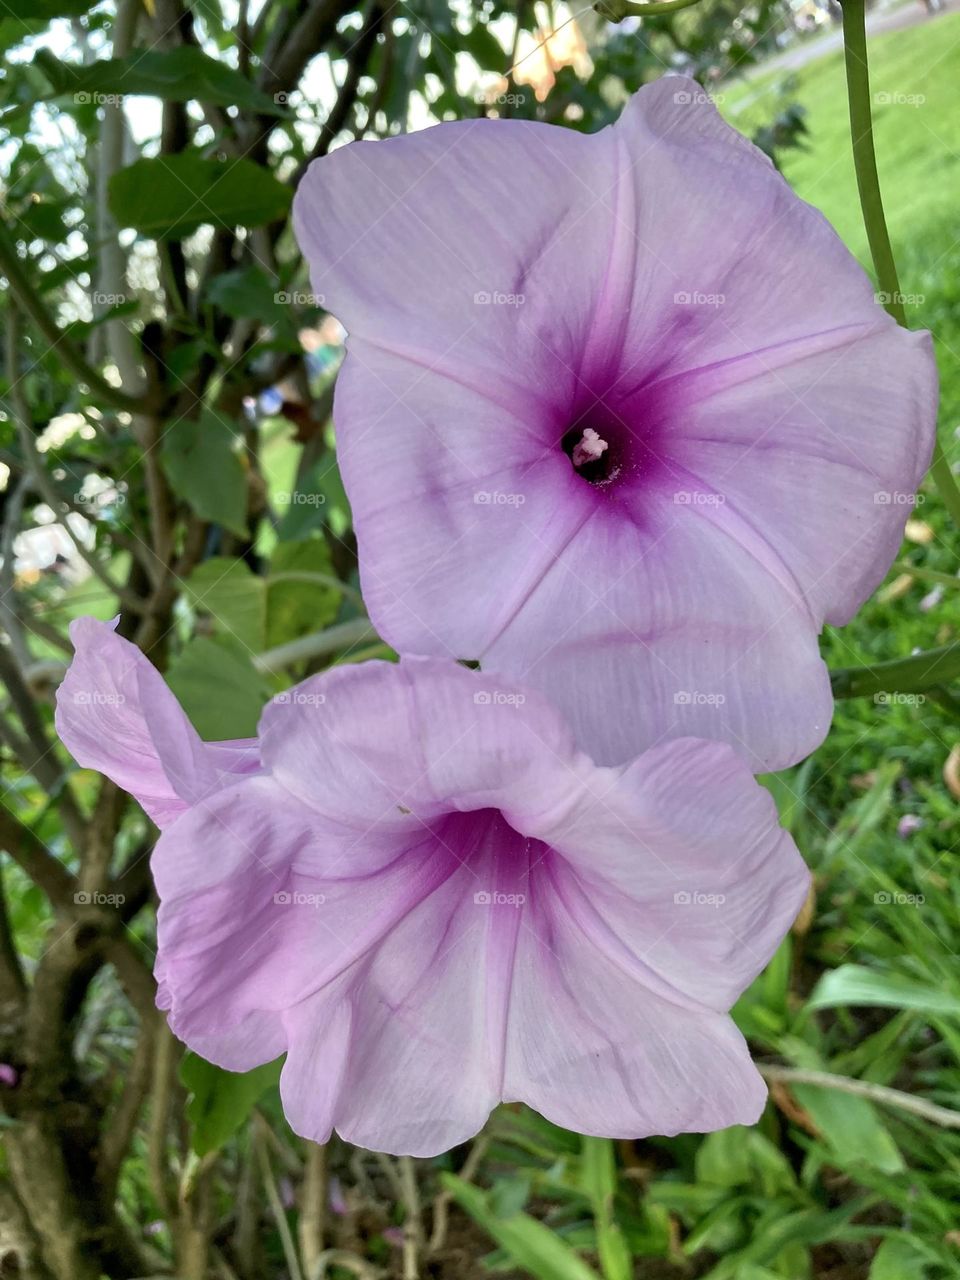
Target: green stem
617,10
871,204
927,575
28,296
919,672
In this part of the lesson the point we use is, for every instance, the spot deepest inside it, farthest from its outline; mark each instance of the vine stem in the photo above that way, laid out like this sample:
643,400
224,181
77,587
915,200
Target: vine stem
881,1093
871,205
29,297
617,10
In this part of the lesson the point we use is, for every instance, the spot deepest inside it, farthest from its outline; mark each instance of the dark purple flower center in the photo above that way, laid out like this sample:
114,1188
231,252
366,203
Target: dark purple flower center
597,451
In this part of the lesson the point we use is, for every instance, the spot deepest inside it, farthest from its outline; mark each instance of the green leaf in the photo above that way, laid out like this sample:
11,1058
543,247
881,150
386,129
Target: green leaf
170,196
221,1101
529,1243
508,1196
739,1157
854,984
299,600
851,1127
245,292
901,1256
175,75
30,10
203,469
233,597
299,595
598,1173
218,687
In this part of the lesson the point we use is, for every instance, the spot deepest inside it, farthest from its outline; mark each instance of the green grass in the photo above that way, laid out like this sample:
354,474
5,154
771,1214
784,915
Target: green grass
917,133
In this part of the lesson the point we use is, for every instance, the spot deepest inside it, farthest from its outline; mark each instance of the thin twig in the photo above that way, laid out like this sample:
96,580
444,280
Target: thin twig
344,635
880,1093
313,1203
443,1200
31,300
412,1223
276,1204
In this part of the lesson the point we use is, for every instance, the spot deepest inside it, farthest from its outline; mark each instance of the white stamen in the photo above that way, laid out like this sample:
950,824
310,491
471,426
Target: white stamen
588,449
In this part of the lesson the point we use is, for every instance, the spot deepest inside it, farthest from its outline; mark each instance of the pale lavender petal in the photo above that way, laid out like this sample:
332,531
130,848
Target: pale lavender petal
682,624
333,742
596,1051
115,714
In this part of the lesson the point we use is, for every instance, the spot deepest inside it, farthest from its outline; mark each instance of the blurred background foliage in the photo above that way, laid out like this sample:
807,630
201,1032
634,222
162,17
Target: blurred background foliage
166,453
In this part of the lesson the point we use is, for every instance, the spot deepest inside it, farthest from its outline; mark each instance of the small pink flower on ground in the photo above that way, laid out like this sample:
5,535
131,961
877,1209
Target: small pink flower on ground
432,902
909,825
513,290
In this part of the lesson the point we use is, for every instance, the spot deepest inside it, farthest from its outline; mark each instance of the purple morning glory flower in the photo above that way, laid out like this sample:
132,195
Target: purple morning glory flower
620,416
432,901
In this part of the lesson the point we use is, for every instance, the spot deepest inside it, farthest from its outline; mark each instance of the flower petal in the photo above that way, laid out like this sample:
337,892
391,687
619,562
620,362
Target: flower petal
366,744
115,714
682,869
829,502
689,632
595,1051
